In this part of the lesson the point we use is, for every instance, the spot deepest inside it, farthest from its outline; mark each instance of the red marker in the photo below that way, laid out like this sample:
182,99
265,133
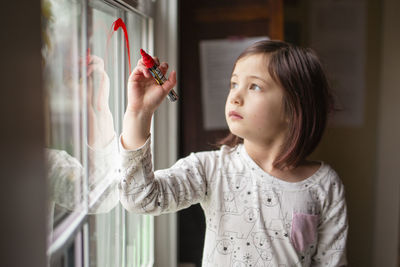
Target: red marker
157,74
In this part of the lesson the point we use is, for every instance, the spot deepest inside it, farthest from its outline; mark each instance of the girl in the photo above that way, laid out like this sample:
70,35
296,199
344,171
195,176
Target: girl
265,204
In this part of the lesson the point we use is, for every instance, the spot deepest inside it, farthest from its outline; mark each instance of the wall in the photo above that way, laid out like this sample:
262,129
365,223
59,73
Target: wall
387,183
366,157
22,183
352,151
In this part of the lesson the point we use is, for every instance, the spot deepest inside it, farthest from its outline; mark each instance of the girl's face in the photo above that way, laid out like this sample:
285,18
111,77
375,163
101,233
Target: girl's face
254,108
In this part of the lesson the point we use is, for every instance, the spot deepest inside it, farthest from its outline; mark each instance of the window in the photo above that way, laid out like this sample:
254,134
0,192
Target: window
85,72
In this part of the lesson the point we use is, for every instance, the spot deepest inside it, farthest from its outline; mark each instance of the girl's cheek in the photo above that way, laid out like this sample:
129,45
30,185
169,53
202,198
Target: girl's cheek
265,118
259,120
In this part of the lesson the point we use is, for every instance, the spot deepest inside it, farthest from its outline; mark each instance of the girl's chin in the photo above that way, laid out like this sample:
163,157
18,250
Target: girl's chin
236,131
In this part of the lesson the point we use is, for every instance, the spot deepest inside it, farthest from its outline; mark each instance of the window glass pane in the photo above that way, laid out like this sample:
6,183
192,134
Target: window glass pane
139,228
103,107
62,51
72,254
103,89
85,74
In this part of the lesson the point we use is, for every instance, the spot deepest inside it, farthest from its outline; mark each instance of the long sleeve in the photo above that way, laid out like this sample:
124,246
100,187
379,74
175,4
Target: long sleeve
333,228
169,190
103,178
64,174
66,177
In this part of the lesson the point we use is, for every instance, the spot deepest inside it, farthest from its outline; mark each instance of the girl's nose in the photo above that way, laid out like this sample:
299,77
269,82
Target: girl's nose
236,97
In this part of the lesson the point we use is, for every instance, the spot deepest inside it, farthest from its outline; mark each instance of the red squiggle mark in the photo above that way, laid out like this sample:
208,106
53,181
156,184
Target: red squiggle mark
114,27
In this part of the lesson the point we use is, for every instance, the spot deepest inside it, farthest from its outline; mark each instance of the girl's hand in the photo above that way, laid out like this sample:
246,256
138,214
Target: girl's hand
100,119
144,93
144,96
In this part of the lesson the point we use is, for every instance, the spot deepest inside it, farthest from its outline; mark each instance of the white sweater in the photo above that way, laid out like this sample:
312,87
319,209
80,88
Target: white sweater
253,219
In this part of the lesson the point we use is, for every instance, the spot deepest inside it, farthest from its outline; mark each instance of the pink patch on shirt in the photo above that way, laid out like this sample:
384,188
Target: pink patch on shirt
304,230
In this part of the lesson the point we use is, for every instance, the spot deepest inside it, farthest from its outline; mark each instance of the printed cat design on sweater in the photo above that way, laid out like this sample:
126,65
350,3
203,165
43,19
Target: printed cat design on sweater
248,196
338,244
164,201
239,225
182,197
147,166
276,230
237,182
130,185
326,256
286,219
253,260
239,264
270,198
212,221
245,256
265,259
228,204
335,209
223,252
147,203
317,195
256,234
262,242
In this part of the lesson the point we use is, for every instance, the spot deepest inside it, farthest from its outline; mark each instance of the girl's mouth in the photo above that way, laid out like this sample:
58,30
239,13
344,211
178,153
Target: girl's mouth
234,115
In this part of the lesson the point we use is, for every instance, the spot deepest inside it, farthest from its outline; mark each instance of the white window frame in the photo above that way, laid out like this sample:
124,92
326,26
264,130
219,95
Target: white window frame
165,140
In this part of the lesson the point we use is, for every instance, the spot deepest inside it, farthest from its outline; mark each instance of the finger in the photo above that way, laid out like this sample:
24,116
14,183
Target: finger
141,63
95,59
170,83
93,68
156,60
139,73
145,71
163,67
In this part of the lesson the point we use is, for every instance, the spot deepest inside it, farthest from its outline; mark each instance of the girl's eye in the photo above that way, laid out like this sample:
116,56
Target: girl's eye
255,87
234,85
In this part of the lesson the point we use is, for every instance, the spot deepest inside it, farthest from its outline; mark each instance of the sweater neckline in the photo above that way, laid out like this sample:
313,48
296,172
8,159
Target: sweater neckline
273,180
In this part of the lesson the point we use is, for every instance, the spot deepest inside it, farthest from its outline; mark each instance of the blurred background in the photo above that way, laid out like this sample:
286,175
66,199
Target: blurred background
358,42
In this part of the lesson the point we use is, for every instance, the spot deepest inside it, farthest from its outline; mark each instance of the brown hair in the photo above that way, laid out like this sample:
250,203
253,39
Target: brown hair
307,98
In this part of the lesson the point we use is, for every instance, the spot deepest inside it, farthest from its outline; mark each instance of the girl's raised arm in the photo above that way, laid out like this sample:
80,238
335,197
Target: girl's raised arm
144,96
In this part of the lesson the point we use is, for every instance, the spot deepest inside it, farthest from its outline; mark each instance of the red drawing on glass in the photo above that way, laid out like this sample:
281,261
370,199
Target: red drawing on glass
114,27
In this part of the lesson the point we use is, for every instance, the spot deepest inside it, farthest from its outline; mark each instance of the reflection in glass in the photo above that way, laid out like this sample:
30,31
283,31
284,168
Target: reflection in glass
104,88
85,75
139,233
62,74
81,157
